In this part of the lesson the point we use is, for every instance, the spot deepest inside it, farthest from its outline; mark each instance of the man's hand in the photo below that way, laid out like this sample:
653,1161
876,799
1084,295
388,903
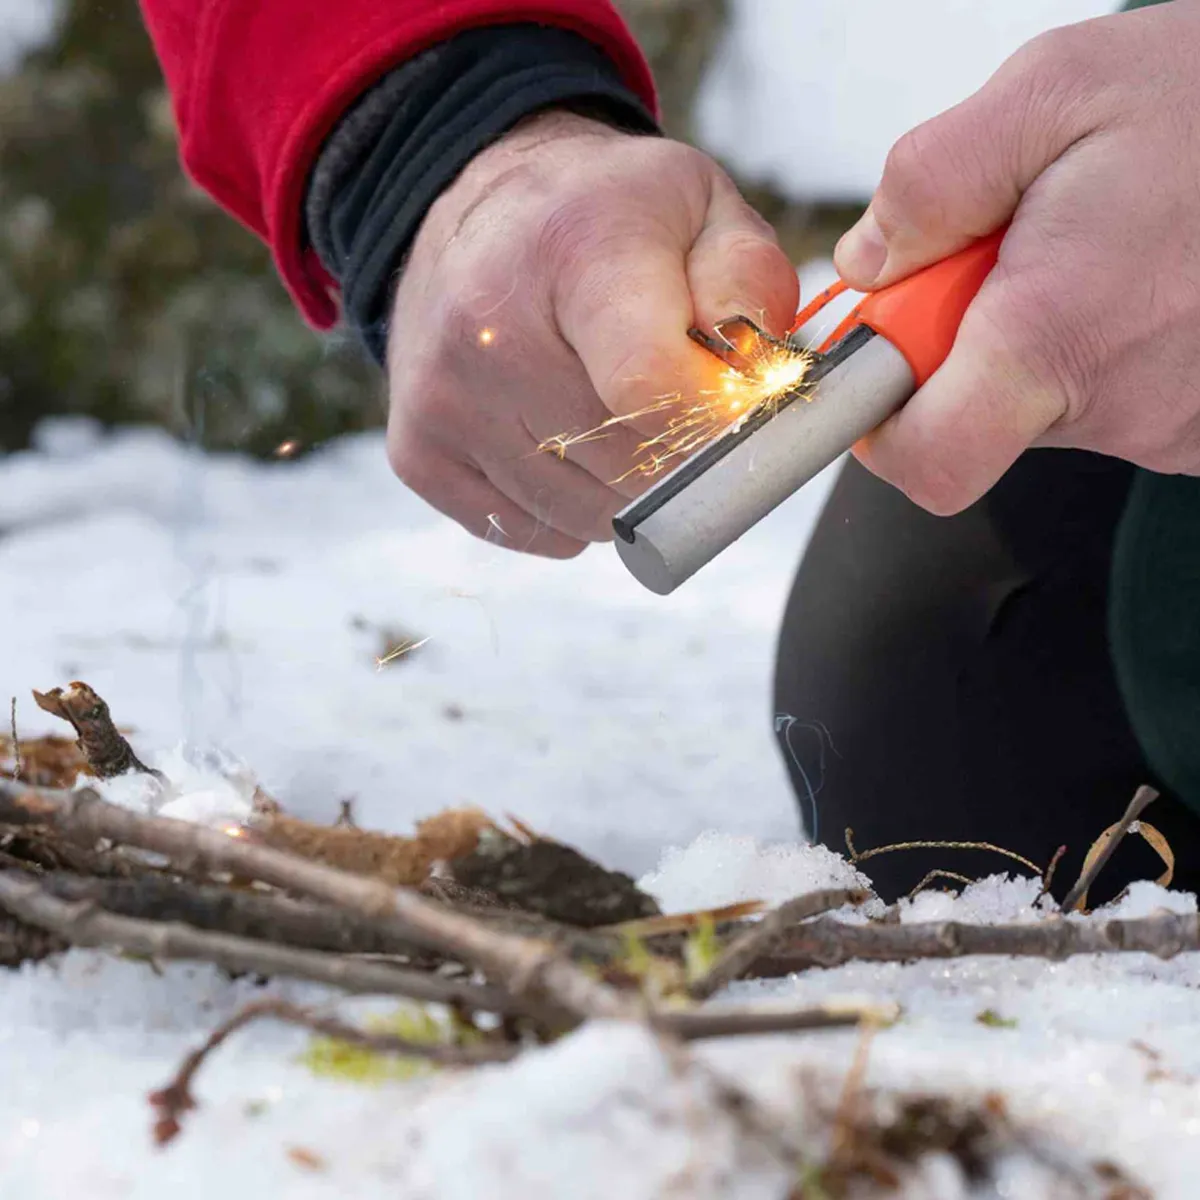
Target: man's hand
550,288
1087,333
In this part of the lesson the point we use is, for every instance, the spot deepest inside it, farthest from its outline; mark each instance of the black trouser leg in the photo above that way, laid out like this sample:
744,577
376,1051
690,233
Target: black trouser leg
949,678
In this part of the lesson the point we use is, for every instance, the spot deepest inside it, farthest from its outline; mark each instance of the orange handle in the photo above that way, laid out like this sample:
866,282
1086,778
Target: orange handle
920,315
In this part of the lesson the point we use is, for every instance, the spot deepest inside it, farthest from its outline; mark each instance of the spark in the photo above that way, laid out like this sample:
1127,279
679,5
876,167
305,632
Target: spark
691,422
487,335
286,449
234,831
405,647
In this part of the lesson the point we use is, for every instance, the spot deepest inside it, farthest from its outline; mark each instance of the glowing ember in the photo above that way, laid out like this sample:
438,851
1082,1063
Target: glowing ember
693,422
399,652
487,336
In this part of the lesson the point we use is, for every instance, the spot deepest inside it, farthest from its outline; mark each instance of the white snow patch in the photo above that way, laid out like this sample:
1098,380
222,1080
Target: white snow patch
1144,899
995,900
24,24
811,94
720,868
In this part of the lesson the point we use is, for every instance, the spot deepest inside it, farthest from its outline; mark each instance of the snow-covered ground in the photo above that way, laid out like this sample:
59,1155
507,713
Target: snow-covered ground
226,603
222,601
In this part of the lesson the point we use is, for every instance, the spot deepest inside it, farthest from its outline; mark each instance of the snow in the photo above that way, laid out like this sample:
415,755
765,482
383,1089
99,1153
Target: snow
239,606
23,25
810,94
235,605
232,612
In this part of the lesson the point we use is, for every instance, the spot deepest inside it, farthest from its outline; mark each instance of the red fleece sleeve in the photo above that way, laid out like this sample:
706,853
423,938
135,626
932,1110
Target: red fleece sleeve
258,84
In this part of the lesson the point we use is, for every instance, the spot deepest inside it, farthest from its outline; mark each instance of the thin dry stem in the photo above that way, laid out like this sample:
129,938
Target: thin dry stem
1142,799
691,1025
756,943
938,873
16,741
173,1100
861,856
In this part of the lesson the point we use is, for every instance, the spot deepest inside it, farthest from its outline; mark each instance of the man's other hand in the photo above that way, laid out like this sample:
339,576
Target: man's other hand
1087,333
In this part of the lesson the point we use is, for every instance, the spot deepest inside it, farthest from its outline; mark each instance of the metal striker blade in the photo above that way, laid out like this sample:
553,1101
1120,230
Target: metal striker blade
738,342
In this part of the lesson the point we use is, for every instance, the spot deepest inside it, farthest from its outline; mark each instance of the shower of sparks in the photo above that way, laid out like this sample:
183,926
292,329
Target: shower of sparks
406,647
693,421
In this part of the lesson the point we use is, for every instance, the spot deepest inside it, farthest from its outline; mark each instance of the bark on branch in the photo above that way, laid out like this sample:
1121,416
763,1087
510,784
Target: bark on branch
527,969
829,943
81,923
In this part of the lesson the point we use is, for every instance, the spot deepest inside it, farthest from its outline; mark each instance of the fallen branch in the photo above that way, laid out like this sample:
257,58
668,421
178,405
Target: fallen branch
691,1025
526,968
262,916
737,957
81,923
829,943
173,1100
22,943
1076,898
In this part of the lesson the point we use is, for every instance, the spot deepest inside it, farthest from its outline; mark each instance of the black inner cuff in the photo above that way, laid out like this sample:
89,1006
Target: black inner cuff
408,138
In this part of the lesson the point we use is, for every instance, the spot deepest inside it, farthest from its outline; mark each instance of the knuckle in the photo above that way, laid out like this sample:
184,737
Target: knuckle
912,190
1068,54
938,487
1049,342
1054,76
573,227
404,458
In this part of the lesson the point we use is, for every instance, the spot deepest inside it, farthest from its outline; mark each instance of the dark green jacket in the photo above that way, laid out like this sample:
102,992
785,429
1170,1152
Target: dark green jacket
1154,618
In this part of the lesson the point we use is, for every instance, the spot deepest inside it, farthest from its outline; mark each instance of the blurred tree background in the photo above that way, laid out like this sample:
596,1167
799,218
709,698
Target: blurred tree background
127,295
120,282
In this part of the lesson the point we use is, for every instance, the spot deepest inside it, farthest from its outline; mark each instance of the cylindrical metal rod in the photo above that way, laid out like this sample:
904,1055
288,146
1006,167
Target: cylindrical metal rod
682,523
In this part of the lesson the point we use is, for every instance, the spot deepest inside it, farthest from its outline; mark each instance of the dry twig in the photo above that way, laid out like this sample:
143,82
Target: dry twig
526,968
1076,898
860,856
16,741
173,1100
243,912
757,942
81,923
938,873
691,1025
829,943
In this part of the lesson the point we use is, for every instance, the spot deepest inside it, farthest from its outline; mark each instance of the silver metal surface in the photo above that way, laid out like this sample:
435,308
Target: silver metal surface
695,523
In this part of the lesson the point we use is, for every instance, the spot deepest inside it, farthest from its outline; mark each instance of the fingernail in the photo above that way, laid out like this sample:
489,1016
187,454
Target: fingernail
862,253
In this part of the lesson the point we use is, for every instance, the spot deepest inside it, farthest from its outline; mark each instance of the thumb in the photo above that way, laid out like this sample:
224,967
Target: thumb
736,266
961,175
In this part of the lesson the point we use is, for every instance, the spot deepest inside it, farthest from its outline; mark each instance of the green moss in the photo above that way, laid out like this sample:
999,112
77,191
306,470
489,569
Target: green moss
993,1020
336,1059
